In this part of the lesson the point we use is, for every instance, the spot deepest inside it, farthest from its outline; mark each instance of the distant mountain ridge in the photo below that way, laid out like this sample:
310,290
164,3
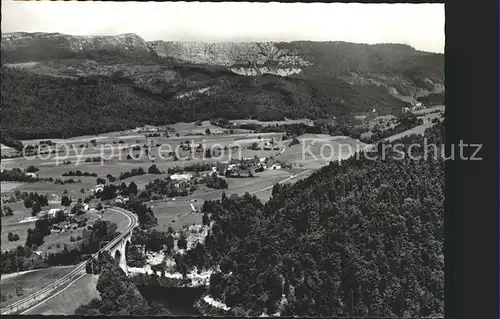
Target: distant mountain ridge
324,59
268,80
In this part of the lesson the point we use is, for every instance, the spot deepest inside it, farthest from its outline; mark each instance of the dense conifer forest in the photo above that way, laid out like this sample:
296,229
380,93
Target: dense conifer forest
364,238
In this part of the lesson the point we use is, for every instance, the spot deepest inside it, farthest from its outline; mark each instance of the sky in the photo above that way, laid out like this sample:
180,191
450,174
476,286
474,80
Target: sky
418,25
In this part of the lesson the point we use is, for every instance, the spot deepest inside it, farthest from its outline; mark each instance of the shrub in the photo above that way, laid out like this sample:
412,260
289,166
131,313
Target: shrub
7,211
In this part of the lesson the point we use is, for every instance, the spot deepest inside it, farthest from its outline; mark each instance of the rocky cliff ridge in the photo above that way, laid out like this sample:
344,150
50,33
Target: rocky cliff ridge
359,63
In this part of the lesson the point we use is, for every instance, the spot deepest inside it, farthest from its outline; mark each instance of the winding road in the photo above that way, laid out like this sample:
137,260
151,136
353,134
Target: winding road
29,302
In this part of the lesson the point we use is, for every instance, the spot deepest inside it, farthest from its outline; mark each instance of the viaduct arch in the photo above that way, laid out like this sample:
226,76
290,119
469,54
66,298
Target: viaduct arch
119,252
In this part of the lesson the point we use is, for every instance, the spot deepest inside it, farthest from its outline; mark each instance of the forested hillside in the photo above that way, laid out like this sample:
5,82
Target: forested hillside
118,294
364,238
57,85
392,65
43,106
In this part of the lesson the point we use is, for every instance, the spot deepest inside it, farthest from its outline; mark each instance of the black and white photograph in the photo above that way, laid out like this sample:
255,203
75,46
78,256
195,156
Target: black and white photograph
223,159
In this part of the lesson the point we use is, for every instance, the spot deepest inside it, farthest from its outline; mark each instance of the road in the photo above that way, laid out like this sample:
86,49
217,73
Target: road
30,302
281,182
418,130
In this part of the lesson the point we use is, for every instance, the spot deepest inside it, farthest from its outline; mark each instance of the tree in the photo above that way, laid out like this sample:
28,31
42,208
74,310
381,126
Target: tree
34,238
132,188
60,216
182,242
100,180
12,236
36,209
43,225
155,241
82,190
170,243
28,203
207,131
276,189
18,289
65,201
206,219
208,153
255,146
99,206
32,169
153,170
77,209
7,211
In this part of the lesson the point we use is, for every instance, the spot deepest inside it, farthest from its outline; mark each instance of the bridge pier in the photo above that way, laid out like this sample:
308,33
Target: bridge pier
119,252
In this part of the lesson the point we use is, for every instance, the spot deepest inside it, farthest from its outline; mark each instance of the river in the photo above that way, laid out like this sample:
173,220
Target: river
178,301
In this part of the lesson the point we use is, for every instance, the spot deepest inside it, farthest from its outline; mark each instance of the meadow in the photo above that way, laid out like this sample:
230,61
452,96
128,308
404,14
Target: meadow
115,147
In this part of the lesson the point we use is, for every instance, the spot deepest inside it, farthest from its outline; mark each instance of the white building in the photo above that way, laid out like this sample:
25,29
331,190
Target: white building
53,212
276,166
120,199
181,177
33,175
42,214
99,188
55,229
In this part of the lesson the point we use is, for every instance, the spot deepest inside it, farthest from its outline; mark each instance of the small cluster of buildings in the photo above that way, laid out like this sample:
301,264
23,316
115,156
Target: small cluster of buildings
414,106
72,221
63,227
51,213
120,199
263,161
146,129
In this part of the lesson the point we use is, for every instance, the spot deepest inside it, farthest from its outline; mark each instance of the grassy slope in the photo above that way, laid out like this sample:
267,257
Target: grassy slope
31,281
79,293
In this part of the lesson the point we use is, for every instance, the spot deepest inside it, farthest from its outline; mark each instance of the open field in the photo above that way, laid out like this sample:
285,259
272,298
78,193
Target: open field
17,223
287,121
119,219
10,186
419,130
31,281
317,150
55,241
81,292
430,109
20,212
20,229
176,213
51,243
